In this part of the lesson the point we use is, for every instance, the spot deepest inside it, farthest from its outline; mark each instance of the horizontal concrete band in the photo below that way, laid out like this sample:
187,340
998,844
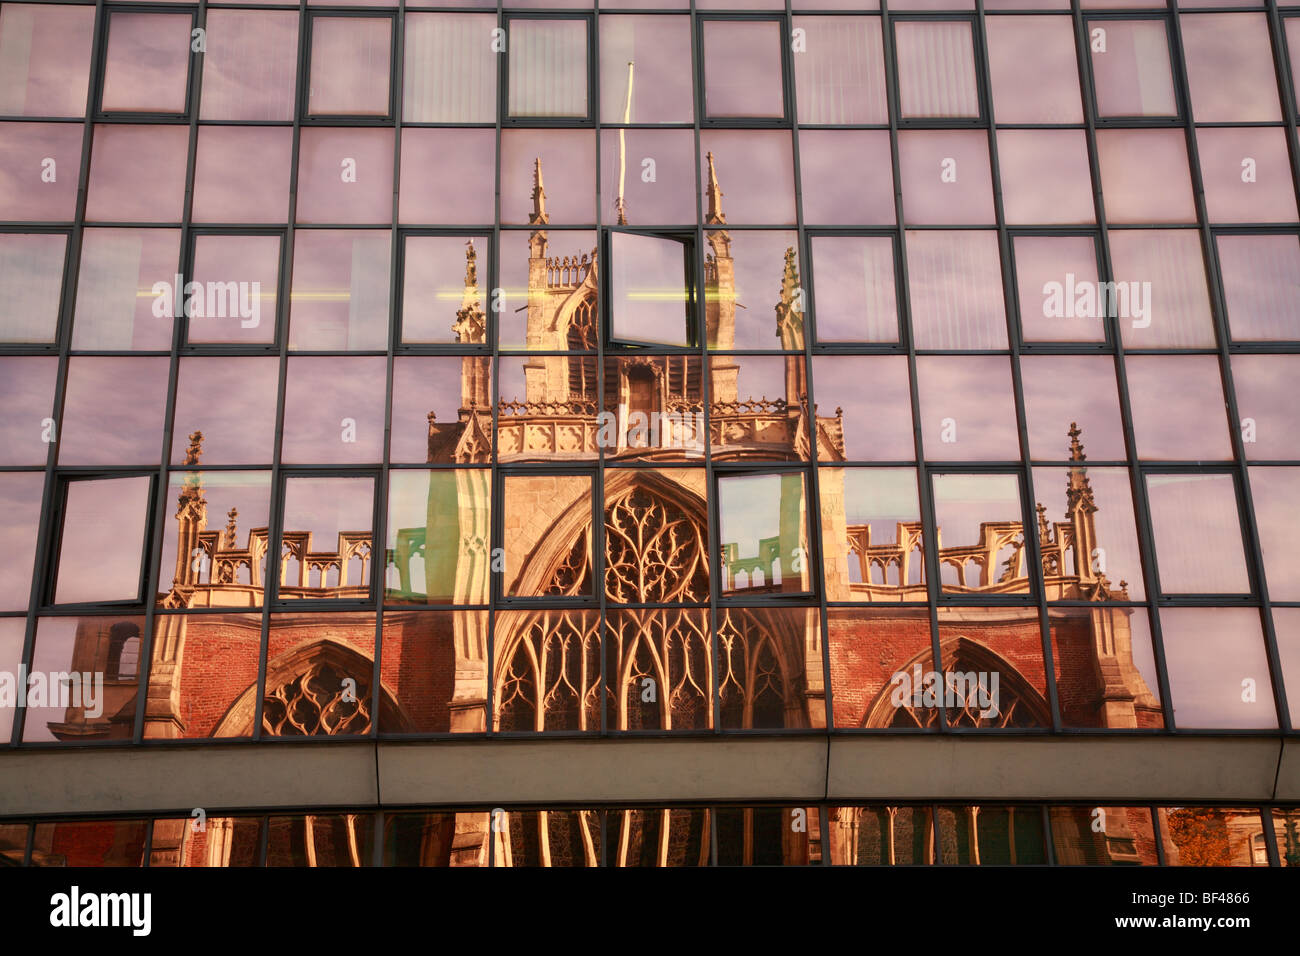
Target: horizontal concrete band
658,770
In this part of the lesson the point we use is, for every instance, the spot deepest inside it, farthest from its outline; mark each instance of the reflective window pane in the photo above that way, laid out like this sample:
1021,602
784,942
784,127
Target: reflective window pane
27,397
332,410
854,285
968,410
533,504
1247,175
1261,284
1230,67
439,525
419,661
350,64
1212,836
1130,68
101,547
232,402
101,843
844,81
762,521
1091,405
647,176
991,836
880,835
1103,836
936,69
96,432
858,432
1188,512
1191,384
547,68
449,68
27,193
875,512
241,174
442,300
1144,176
237,281
20,506
742,69
955,282
653,408
980,525
752,399
1161,297
126,289
1057,286
325,540
1088,536
1264,385
345,176
1116,641
1033,69
946,178
441,410
1045,177
31,286
645,70
751,283
651,290
448,176
238,40
44,59
834,190
546,177
1213,654
753,170
137,173
1272,491
339,297
146,68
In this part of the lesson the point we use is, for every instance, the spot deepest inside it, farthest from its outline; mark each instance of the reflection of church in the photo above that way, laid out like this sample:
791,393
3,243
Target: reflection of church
764,665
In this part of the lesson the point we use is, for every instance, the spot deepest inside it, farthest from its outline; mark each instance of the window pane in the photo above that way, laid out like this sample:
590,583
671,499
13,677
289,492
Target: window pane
239,428
240,42
955,281
27,396
442,410
548,68
856,296
1045,177
1230,67
1212,836
834,190
326,540
13,839
95,431
216,665
858,431
1130,68
763,526
1211,653
439,526
764,273
225,566
1056,281
876,513
1162,299
31,285
754,170
1286,626
333,410
240,276
101,548
1261,285
101,843
448,176
20,513
565,271
1189,383
1278,521
768,698
339,298
120,304
946,179
436,289
350,66
450,69
752,403
633,642
1103,836
335,840
653,407
137,173
996,836
657,89
882,835
419,663
843,82
1247,175
1144,175
968,409
981,534
1091,403
1188,512
651,297
567,696
25,149
760,836
345,176
936,69
1265,385
534,504
742,69
1091,553
565,162
1033,68
148,62
241,174
630,157
44,59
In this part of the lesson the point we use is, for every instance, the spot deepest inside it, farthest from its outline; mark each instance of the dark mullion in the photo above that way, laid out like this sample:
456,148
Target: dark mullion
1035,578
1137,483
44,555
1245,503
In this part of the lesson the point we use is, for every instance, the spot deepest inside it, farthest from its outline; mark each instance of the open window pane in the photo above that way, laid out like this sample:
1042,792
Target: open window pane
350,66
147,65
651,293
763,524
548,69
101,549
326,538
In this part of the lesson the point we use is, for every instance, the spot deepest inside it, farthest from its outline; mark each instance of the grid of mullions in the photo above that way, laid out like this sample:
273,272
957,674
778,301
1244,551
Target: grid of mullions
892,834
1220,354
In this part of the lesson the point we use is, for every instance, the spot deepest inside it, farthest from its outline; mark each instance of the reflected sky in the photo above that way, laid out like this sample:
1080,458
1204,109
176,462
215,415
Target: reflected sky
232,401
147,62
27,397
241,174
236,40
967,399
45,57
1209,652
325,398
868,435
96,432
102,542
23,149
20,513
1198,534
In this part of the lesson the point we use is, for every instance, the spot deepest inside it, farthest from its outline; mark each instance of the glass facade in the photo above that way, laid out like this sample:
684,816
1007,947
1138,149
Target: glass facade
751,370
